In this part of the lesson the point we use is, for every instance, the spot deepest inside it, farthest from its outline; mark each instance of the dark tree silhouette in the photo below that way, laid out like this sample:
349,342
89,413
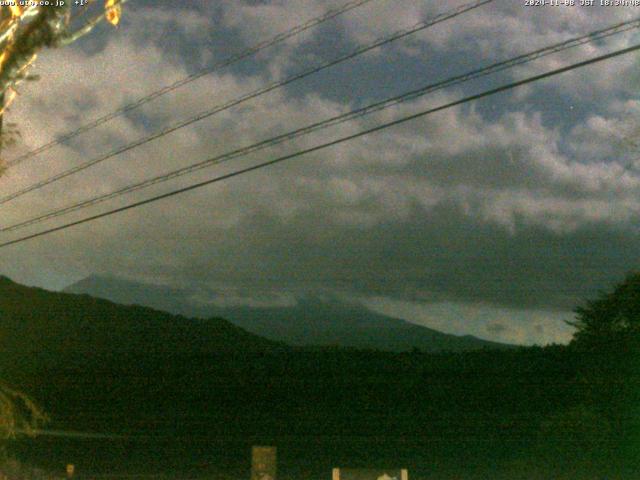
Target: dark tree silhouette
607,344
612,321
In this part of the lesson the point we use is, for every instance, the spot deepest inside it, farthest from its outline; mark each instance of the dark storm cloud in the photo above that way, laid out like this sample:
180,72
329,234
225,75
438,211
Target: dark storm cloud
440,255
496,327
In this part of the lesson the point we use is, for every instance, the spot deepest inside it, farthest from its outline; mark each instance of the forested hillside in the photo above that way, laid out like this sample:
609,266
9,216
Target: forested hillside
569,410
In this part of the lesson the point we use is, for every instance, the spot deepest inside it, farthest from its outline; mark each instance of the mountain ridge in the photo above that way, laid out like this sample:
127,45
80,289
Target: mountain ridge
35,320
311,321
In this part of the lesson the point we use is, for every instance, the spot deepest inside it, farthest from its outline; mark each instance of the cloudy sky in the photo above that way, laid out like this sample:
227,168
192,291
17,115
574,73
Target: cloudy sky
495,218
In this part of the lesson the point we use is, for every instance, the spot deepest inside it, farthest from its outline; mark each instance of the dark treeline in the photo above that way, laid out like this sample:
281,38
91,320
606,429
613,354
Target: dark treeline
552,409
561,412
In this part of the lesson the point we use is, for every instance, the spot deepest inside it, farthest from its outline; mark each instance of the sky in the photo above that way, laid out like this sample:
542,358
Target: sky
495,218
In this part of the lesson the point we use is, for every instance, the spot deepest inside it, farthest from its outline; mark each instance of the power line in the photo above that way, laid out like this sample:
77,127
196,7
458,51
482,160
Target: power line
281,37
387,103
219,108
322,146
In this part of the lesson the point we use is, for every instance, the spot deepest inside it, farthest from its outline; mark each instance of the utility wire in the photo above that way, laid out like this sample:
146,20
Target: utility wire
232,103
322,146
281,37
243,151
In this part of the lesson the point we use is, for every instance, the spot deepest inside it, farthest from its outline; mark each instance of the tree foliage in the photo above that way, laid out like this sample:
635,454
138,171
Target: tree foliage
612,321
25,31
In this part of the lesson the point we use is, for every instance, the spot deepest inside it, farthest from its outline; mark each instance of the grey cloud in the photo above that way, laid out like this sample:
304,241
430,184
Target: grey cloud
457,207
432,256
497,327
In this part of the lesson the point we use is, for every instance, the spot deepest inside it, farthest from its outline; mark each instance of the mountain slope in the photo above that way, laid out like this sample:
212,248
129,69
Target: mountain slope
310,321
36,320
179,393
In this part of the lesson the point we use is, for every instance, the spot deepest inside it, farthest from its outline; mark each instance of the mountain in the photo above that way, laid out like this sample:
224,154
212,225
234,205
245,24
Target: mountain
310,322
132,390
33,320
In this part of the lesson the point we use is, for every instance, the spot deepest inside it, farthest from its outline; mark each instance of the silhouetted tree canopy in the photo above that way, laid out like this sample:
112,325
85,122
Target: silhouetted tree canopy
612,321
